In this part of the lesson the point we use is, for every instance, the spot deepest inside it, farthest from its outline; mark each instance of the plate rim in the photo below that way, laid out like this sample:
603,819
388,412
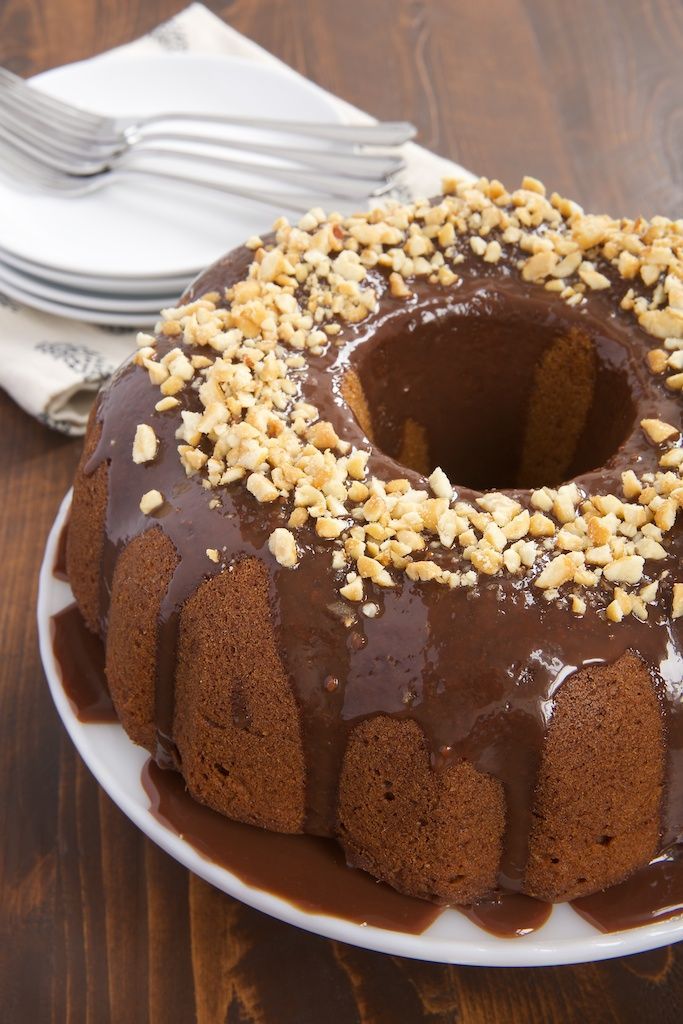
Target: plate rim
36,303
529,951
98,303
142,285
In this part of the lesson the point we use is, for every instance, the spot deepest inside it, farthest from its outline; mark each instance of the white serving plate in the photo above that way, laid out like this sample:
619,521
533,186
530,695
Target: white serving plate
91,316
98,302
117,763
141,227
115,286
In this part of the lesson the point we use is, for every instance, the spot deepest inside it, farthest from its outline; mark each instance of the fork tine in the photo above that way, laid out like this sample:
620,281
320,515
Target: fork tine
45,121
31,96
49,154
18,169
52,137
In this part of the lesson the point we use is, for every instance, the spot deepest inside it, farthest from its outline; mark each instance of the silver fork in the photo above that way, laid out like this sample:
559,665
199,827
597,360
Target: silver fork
20,168
370,178
387,133
60,159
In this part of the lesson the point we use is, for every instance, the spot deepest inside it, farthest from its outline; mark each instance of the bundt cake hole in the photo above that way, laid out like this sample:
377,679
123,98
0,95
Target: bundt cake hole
496,400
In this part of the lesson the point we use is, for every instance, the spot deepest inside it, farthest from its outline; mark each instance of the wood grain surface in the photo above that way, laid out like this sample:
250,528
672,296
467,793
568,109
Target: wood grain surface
96,924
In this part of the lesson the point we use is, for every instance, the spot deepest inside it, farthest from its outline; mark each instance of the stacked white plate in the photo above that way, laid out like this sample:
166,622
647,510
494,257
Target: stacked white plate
116,300
119,255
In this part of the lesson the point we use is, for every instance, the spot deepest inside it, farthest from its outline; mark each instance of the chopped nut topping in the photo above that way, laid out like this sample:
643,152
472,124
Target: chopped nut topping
422,571
592,278
329,529
628,569
282,546
631,484
399,289
370,568
150,502
560,570
353,591
440,484
541,526
164,404
261,488
658,431
614,612
657,360
145,444
243,353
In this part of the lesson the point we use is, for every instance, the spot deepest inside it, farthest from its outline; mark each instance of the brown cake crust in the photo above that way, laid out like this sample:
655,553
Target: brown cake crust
599,795
236,722
85,539
434,835
143,572
420,729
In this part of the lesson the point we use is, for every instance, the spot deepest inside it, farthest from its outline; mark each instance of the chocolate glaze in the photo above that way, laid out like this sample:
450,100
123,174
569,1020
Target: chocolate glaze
477,669
308,871
59,567
510,915
80,656
653,894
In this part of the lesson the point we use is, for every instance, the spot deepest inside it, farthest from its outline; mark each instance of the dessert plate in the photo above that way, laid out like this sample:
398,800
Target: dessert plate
92,316
144,227
117,764
98,302
119,286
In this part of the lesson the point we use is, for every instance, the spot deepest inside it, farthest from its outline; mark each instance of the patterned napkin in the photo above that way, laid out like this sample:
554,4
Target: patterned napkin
53,366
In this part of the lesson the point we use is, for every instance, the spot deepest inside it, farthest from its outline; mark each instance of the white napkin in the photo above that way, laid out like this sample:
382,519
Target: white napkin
52,366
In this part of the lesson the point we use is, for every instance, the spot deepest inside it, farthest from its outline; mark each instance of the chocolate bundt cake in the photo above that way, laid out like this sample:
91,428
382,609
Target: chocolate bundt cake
381,531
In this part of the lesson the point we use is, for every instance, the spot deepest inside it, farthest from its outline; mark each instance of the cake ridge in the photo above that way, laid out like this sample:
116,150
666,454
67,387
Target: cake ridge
391,652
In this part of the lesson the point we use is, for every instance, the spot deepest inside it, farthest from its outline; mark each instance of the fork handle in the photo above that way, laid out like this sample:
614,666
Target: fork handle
355,165
299,202
334,186
384,133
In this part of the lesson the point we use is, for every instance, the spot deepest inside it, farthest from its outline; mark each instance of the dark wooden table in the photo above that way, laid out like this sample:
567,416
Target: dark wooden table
96,923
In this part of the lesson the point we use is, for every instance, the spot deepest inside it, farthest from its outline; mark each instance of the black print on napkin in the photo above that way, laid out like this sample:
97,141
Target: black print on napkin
170,37
62,426
89,365
7,302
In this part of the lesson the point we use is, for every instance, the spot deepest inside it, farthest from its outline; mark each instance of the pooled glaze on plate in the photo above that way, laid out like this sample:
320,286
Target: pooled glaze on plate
310,872
477,669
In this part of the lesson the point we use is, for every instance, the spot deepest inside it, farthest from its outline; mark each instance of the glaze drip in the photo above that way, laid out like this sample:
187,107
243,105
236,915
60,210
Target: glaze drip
310,872
477,669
